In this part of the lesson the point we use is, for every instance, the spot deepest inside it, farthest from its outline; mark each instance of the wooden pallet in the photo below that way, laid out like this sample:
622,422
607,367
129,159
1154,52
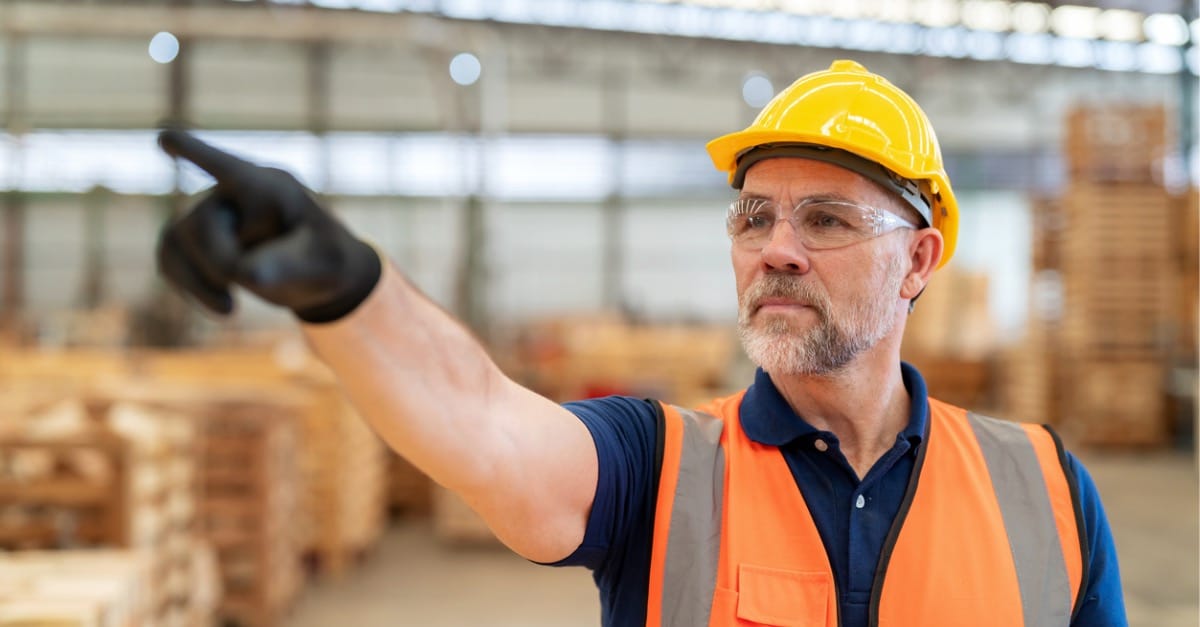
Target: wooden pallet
1116,143
249,483
1115,403
343,463
1029,371
107,475
1118,277
1047,222
94,588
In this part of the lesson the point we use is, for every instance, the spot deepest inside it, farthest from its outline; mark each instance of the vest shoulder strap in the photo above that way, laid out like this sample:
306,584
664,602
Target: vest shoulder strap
1038,501
683,562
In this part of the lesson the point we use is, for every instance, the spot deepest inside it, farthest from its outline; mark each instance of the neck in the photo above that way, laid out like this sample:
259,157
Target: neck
865,404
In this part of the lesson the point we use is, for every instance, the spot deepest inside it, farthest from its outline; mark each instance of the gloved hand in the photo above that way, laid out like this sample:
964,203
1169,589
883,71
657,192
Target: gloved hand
261,229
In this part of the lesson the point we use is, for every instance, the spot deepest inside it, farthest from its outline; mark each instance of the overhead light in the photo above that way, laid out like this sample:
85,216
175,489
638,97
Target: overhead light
1073,52
747,5
989,15
898,11
867,34
465,68
945,42
984,45
1159,59
1075,21
799,7
1118,56
1120,25
1030,17
1167,29
1035,48
757,90
847,9
164,47
935,13
903,39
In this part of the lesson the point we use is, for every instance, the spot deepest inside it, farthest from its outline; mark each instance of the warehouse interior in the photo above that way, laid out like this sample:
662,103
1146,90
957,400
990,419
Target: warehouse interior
537,168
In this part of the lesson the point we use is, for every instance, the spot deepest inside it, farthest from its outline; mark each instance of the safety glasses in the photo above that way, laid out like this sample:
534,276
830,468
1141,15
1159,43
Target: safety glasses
819,223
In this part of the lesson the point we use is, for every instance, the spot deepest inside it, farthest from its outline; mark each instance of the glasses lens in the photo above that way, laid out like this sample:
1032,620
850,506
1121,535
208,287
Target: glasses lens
819,224
751,220
828,224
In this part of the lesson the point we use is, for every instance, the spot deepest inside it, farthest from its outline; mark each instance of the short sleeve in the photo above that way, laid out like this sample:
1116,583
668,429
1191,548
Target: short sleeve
624,431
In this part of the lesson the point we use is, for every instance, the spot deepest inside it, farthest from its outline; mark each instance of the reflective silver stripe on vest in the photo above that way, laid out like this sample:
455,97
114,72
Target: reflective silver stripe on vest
1029,520
693,541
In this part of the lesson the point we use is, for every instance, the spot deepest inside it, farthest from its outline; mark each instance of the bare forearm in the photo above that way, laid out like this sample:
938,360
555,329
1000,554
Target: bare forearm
432,393
416,375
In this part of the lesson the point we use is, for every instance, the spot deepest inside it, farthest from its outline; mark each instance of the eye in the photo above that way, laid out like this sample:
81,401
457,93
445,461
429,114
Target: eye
750,215
752,222
826,220
759,220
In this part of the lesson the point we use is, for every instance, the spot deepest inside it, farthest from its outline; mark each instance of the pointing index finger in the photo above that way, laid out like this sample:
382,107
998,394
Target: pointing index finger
220,164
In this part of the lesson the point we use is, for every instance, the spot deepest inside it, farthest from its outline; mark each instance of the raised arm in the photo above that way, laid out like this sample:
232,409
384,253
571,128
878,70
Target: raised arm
420,379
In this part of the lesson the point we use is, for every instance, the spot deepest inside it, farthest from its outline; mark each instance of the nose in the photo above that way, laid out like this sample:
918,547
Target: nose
784,251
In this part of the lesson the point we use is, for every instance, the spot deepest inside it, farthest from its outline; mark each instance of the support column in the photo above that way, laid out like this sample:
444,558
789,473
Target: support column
12,255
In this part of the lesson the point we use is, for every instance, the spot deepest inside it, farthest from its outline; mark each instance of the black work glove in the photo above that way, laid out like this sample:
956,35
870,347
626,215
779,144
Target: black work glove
261,229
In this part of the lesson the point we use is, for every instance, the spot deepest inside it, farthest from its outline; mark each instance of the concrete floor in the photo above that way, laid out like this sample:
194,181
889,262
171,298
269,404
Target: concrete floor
1152,501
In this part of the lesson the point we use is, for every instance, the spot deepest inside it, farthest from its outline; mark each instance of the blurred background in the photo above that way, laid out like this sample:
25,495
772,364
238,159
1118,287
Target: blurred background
538,168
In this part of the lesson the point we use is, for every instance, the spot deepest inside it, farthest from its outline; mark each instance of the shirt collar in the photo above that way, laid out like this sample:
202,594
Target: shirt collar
768,419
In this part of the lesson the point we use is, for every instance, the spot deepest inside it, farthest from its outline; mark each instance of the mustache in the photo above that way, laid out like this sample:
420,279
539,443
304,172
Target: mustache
784,286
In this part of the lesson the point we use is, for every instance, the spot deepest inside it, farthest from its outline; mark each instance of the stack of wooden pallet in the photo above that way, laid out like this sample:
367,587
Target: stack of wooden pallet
344,468
343,464
410,492
96,588
115,476
1187,230
950,338
248,504
343,499
1118,277
576,357
1116,144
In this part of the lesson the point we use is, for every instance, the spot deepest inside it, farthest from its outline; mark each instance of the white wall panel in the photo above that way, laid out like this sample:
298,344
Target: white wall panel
422,236
684,109
382,88
246,84
92,82
677,260
544,259
54,253
130,236
555,104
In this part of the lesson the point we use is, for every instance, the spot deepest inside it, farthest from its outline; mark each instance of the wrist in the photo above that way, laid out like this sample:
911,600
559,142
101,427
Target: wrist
364,267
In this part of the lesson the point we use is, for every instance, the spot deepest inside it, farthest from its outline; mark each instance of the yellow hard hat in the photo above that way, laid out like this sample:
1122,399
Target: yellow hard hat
847,109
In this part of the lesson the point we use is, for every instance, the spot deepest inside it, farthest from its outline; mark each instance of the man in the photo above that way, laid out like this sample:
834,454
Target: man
832,491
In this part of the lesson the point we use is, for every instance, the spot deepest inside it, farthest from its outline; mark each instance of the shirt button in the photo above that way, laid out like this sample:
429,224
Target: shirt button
861,502
821,445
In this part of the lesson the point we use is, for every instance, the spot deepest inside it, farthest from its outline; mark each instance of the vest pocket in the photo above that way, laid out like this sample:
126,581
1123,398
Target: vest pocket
784,598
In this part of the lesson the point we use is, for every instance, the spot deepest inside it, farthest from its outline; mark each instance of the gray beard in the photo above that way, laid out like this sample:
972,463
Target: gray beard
779,346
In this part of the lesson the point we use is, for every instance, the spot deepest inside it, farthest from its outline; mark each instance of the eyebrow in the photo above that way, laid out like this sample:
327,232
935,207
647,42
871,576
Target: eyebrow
829,195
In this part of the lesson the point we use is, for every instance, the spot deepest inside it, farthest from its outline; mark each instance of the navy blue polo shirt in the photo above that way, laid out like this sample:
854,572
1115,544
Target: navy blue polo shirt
852,515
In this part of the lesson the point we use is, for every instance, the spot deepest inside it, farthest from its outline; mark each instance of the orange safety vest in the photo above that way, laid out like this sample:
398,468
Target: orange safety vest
988,534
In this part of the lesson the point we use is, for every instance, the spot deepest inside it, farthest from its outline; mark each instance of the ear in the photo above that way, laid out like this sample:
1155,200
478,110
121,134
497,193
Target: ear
925,251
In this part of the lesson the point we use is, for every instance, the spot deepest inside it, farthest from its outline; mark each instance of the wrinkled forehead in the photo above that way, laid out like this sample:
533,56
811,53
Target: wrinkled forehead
792,179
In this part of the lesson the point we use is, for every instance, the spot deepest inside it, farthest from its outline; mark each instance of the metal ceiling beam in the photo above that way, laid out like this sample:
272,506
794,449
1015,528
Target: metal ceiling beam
221,22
